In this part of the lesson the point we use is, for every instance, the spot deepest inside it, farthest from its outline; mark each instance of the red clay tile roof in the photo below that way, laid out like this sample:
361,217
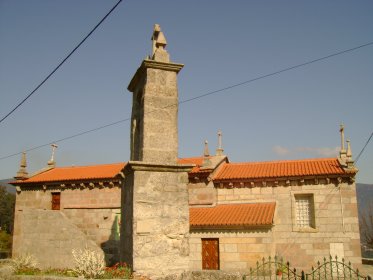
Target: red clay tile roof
198,161
72,173
229,171
233,216
276,169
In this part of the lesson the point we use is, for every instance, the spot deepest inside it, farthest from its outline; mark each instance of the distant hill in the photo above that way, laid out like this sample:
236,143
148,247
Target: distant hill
364,194
7,186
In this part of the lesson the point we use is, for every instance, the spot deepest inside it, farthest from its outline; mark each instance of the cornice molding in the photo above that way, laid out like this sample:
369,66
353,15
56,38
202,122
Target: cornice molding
158,167
148,63
287,181
79,184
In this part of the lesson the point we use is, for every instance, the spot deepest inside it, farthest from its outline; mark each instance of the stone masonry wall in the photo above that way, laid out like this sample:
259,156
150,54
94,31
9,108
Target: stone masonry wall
107,197
36,198
100,226
201,194
238,249
95,212
333,234
32,199
50,237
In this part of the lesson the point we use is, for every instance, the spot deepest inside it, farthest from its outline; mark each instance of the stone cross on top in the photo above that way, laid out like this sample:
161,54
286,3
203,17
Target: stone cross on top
158,39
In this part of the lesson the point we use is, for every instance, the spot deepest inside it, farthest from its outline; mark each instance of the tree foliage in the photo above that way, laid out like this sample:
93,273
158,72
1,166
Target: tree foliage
7,204
5,241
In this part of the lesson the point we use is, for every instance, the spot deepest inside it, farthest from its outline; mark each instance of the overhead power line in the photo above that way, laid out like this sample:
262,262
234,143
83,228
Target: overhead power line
62,62
68,137
201,96
362,150
278,72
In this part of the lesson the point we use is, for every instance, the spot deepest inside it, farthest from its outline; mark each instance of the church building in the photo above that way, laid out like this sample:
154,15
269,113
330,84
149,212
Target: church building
163,214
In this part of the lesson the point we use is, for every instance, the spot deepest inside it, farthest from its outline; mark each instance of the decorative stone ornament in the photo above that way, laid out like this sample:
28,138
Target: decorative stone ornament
51,162
206,155
220,150
22,172
342,153
158,39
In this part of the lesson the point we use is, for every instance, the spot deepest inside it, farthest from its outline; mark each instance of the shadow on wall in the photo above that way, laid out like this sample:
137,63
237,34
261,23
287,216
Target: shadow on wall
111,246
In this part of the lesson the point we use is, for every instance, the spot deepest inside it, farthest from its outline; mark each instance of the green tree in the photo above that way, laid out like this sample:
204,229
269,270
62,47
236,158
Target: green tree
5,241
7,204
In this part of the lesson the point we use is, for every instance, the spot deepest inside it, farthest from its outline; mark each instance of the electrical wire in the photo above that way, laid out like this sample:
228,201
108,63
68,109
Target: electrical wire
278,72
362,150
68,137
62,62
201,96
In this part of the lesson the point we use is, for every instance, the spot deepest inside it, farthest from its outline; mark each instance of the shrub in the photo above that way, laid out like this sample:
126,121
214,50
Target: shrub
89,263
119,270
25,263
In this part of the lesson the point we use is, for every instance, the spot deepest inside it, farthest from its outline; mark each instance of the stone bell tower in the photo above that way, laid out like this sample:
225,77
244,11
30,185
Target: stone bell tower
155,211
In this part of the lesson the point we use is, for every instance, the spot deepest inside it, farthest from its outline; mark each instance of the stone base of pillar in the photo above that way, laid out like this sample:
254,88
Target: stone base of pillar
155,218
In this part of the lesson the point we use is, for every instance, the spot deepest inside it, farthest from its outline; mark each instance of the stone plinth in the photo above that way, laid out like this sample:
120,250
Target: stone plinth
155,218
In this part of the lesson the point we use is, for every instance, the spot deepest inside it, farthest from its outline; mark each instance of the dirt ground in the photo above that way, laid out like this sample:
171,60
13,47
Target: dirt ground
367,270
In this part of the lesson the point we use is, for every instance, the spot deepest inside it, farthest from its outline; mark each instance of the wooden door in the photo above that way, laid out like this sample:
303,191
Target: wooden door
210,253
56,199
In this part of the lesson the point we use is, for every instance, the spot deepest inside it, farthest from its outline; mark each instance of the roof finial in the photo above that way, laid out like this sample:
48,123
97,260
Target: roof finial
158,44
342,153
220,150
349,160
206,152
349,152
156,31
158,38
51,162
206,155
22,172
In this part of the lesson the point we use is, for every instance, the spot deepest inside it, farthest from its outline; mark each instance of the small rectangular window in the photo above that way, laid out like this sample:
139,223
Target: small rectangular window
304,211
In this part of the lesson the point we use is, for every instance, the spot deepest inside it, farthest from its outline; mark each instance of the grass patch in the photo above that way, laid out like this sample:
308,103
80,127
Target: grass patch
118,271
49,271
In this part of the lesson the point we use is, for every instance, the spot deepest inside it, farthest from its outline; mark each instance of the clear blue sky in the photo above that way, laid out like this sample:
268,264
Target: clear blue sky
292,115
